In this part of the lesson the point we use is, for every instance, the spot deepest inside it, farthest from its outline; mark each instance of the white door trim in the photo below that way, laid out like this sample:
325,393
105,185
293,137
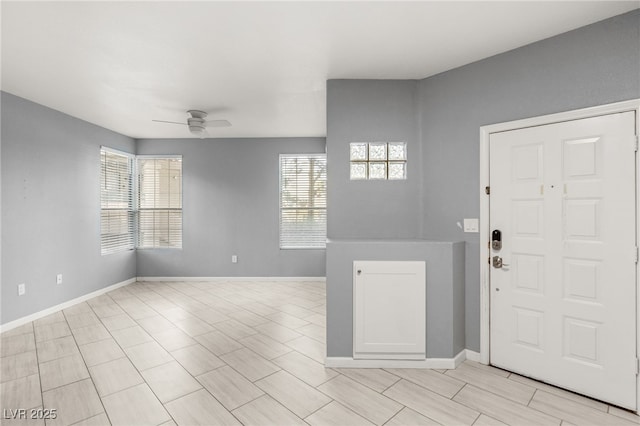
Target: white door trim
485,132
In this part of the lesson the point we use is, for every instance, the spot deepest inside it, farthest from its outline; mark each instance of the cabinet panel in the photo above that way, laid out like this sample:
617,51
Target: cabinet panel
389,310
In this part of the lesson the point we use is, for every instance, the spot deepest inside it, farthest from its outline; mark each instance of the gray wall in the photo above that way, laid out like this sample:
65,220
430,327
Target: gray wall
51,208
231,206
444,291
370,111
593,65
440,118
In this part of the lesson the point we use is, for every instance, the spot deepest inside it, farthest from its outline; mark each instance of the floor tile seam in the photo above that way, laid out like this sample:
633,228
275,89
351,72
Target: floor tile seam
144,382
462,382
238,371
26,375
562,396
499,396
282,403
293,374
139,301
620,417
104,410
38,366
496,394
158,365
104,362
203,387
477,385
62,357
233,338
532,396
178,397
486,370
19,334
366,385
137,370
312,338
569,400
476,419
317,409
352,411
431,392
265,394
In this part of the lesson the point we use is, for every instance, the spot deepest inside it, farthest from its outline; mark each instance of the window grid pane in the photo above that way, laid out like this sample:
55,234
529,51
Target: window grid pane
160,202
116,202
303,201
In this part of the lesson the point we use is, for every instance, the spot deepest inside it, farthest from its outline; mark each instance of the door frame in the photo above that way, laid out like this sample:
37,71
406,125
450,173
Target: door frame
485,231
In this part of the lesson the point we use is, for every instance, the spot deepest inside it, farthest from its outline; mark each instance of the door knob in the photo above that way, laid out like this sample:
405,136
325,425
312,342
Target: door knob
497,263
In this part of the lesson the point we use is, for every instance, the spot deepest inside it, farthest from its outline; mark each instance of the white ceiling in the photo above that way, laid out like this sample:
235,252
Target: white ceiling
261,65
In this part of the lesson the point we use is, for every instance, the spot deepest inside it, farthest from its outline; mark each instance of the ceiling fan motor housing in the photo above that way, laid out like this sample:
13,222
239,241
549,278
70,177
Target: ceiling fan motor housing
197,122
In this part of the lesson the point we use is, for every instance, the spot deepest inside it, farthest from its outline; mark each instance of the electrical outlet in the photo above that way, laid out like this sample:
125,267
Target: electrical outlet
59,279
22,289
234,259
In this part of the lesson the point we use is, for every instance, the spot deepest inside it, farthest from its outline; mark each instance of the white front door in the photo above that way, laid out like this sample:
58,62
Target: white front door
563,305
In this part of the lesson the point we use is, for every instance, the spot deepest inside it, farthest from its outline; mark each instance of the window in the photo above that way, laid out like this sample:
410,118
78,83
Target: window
159,202
303,201
378,160
116,201
155,217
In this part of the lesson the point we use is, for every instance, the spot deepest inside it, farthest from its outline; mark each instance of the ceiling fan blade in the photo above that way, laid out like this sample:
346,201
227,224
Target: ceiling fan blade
170,122
217,123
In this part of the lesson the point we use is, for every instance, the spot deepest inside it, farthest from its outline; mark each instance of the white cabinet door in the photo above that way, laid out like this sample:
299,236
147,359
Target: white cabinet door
389,310
563,306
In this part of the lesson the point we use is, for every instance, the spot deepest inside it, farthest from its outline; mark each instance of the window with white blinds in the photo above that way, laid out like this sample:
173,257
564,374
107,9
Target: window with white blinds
303,201
159,202
116,201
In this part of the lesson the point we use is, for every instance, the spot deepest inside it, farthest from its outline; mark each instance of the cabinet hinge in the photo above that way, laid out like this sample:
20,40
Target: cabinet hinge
637,254
487,190
489,260
637,366
636,144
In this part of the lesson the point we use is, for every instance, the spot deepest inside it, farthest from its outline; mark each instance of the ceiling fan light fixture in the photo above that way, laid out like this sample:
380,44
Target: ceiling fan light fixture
197,130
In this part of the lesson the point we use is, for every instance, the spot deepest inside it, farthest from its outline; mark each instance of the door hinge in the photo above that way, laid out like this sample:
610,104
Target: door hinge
636,144
487,190
637,366
637,254
489,260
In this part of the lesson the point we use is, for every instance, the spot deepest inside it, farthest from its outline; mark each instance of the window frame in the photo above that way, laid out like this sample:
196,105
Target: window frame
131,213
280,193
137,200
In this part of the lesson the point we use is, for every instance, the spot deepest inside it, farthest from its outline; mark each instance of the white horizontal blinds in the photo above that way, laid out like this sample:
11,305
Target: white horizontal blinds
160,202
303,201
116,202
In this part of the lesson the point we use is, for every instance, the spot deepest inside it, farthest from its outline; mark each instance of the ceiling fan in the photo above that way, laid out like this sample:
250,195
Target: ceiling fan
197,123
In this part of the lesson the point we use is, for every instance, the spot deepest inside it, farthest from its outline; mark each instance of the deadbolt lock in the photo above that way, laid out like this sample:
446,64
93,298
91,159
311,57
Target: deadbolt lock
496,239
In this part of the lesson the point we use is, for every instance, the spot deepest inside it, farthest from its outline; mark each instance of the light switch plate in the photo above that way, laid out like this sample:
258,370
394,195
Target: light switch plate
471,225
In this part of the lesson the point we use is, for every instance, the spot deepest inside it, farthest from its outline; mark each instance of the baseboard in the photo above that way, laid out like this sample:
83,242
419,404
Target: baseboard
218,279
41,314
472,355
429,363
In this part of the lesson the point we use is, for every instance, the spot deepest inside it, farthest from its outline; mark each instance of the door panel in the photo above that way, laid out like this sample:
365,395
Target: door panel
389,309
563,305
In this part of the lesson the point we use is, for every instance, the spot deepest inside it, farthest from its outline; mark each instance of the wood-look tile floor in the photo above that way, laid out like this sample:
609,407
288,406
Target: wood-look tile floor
251,353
